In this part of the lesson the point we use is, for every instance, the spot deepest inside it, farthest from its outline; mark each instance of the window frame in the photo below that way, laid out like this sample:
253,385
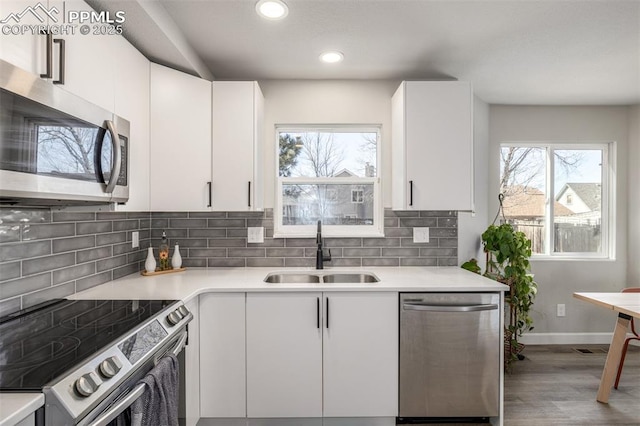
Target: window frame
306,231
608,206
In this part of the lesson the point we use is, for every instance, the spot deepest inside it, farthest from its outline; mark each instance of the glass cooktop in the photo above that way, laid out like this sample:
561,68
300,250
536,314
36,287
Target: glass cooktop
39,345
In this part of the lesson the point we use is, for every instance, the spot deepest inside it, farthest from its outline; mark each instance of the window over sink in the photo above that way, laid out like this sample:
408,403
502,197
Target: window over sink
331,174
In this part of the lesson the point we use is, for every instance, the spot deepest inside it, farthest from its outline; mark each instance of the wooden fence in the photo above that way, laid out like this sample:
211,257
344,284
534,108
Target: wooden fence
568,237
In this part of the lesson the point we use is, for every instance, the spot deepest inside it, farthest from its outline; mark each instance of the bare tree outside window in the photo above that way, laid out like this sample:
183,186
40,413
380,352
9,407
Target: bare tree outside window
574,190
319,169
69,149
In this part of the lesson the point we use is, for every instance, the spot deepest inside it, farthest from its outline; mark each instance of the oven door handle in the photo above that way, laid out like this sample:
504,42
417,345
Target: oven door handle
115,411
136,393
181,344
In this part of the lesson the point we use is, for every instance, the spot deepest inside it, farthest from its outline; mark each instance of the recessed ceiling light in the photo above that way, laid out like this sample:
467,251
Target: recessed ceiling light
332,57
272,9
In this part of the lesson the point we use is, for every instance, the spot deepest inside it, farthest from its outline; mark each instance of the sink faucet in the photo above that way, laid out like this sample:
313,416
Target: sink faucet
320,254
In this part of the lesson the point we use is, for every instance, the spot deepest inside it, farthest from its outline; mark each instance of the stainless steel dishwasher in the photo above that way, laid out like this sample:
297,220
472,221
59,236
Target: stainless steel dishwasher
449,356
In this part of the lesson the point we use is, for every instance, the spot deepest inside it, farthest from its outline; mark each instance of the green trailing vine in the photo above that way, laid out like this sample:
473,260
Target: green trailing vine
508,252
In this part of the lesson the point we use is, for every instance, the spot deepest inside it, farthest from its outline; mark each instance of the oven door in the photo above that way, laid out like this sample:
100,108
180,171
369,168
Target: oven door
56,147
121,399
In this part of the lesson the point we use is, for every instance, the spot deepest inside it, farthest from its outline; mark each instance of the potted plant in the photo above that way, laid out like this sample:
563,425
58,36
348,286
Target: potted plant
508,252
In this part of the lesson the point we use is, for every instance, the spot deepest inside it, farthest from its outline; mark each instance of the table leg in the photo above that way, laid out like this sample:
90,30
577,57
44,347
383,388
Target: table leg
613,358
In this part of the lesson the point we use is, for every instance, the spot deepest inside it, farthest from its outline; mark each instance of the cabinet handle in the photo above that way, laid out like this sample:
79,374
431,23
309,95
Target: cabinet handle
318,313
49,54
61,64
249,194
209,191
327,313
411,193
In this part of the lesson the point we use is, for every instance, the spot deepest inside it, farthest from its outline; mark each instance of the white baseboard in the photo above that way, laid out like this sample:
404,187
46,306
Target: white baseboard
566,338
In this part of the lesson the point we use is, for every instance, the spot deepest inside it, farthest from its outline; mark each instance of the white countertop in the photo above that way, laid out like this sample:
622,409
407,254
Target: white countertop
14,407
189,284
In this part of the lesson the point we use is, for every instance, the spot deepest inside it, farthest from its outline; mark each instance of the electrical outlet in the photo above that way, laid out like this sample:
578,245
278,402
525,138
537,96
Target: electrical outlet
135,239
561,310
255,234
420,235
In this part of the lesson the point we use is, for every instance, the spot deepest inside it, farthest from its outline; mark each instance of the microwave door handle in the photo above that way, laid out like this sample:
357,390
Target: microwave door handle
116,156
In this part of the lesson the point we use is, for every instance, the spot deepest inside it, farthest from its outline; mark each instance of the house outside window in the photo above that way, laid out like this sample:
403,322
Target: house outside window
560,197
328,173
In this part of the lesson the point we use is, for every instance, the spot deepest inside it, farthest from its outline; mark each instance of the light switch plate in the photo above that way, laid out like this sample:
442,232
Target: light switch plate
420,235
255,234
135,239
561,310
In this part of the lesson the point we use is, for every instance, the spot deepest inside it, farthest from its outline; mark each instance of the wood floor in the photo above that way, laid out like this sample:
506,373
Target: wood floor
556,385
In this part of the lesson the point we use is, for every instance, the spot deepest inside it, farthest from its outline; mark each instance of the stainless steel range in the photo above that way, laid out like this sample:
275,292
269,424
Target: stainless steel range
87,356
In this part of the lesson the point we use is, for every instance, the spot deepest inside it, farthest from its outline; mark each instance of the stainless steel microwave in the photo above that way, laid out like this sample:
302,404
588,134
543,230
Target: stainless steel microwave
55,147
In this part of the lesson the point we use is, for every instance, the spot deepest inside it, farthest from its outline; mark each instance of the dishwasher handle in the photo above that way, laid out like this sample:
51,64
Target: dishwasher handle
448,308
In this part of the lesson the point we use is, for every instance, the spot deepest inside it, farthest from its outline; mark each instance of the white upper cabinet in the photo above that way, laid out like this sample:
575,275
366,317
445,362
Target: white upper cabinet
26,51
132,103
432,141
180,152
238,110
81,63
89,59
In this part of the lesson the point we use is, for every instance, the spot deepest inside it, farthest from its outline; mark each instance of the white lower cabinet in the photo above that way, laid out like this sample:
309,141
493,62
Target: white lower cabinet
360,355
192,367
284,355
331,354
222,355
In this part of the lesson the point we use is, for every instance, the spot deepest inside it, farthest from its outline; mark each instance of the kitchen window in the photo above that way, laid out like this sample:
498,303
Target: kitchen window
331,174
560,196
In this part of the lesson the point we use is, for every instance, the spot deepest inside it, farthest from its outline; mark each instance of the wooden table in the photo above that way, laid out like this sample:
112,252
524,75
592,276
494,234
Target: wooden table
627,305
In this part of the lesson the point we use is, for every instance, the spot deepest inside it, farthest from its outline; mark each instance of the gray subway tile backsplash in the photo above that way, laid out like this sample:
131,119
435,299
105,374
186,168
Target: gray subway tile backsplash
9,233
16,251
45,253
73,273
93,227
47,263
73,243
25,285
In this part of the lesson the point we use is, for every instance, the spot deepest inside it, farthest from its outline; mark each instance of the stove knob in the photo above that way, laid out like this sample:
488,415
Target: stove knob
87,384
183,310
110,367
173,318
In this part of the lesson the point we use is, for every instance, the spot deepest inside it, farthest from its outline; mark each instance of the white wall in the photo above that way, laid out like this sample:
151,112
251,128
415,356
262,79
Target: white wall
471,227
558,279
633,196
326,101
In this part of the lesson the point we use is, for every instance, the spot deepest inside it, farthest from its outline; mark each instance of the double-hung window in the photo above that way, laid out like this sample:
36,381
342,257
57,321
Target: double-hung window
560,196
328,174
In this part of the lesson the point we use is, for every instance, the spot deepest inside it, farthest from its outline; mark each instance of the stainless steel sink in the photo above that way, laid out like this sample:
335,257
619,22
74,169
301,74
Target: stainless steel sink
350,278
327,278
292,278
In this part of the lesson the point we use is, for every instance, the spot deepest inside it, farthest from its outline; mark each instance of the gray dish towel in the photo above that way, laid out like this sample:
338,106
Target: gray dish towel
158,405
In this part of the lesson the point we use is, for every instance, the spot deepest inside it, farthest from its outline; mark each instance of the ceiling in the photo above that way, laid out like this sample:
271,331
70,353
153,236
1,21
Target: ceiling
527,52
